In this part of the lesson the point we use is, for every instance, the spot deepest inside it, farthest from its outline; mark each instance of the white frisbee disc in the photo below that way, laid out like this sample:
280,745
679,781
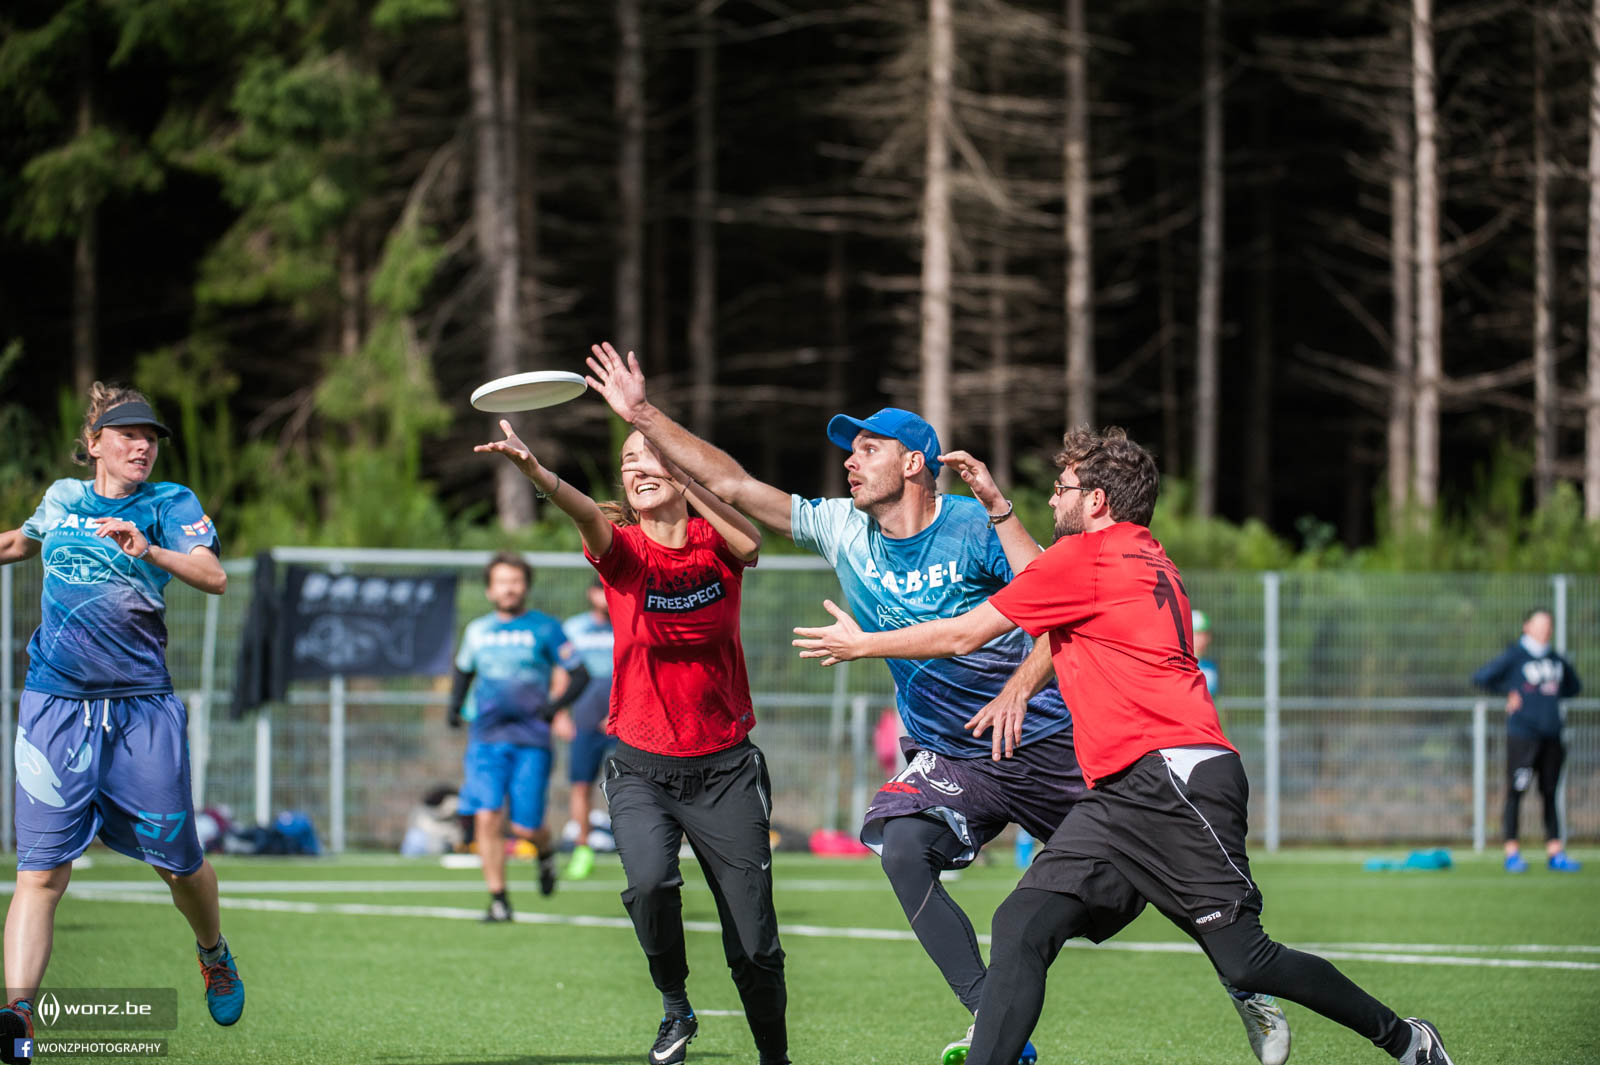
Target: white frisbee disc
528,391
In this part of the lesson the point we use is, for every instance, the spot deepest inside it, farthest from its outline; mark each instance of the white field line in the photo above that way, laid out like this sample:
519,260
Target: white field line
1340,952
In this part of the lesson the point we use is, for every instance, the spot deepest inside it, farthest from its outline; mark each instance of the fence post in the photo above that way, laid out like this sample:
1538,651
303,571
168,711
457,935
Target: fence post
1271,736
1480,774
861,754
200,735
1558,608
264,766
7,694
336,763
841,687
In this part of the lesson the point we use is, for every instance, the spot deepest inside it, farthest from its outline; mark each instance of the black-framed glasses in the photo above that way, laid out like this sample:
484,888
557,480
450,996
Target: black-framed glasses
1059,488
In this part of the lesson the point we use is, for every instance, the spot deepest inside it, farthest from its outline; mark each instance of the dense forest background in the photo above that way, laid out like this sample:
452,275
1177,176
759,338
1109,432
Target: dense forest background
1336,263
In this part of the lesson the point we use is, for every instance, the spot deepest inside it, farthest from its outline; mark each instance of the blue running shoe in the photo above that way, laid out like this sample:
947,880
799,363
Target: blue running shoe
1560,862
1029,1055
1515,864
224,989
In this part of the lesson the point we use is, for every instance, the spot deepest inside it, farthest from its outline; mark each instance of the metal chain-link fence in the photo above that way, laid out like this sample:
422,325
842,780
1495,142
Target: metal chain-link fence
1347,693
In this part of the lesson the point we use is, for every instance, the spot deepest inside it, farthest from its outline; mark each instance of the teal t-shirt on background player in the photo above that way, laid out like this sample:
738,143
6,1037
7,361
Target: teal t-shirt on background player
512,661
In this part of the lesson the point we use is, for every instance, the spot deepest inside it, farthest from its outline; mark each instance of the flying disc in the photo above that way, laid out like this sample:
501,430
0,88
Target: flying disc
528,391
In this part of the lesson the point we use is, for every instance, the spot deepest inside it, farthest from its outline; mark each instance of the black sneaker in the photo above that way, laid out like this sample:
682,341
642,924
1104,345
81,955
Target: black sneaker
1427,1049
672,1040
547,874
498,911
16,1026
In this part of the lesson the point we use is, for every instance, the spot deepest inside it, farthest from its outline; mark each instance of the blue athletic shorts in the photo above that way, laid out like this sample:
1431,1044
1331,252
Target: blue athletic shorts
116,768
585,753
495,771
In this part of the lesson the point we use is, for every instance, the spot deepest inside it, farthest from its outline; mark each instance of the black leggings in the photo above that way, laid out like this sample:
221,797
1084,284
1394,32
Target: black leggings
1031,926
915,849
1527,757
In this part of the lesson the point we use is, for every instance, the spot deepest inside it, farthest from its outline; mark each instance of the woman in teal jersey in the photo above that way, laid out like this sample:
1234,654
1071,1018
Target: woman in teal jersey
101,738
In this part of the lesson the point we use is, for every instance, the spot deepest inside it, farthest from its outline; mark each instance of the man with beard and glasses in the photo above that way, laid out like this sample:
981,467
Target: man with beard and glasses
1166,809
905,553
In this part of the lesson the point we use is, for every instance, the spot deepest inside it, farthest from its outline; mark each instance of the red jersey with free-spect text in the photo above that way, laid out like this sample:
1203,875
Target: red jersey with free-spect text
1123,645
679,685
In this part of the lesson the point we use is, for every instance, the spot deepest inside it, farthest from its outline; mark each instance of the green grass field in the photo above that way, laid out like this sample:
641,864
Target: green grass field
381,960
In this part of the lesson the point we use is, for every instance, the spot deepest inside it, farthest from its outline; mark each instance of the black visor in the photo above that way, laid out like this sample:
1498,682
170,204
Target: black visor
133,412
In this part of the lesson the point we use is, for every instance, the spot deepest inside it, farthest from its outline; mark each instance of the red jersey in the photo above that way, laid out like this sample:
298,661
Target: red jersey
679,685
1122,642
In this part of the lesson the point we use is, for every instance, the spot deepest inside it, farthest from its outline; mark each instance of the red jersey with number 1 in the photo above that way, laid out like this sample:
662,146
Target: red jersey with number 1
1123,645
678,686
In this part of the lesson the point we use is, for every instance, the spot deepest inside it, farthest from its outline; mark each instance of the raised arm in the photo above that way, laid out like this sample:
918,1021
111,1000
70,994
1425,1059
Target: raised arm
941,638
619,381
741,535
1020,548
15,547
592,525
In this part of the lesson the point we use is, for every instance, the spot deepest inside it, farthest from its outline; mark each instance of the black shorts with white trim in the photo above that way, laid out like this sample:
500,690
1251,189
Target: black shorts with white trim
1174,825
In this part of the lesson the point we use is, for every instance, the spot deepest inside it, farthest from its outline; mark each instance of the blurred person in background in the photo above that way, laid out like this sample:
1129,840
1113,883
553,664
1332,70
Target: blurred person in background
1202,648
1534,679
516,671
102,747
590,632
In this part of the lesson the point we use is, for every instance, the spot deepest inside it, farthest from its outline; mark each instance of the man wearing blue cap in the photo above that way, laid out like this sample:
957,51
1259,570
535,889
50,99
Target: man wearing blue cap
904,554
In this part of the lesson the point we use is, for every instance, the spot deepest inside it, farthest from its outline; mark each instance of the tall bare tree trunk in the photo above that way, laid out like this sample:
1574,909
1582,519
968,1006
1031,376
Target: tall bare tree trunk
1544,347
525,150
936,222
1079,299
1403,310
629,321
703,302
86,252
1208,329
835,294
1258,439
491,67
1167,312
1429,337
1000,455
1591,421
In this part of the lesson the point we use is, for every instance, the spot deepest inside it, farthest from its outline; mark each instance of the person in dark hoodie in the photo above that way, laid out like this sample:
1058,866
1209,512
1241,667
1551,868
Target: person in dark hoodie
1534,679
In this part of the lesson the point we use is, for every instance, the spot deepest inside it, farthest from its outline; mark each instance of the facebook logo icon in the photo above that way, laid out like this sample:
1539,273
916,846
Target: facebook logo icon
22,1049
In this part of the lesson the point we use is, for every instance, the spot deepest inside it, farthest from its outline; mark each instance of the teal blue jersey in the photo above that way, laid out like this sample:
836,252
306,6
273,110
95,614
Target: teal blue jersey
594,641
947,569
512,661
103,629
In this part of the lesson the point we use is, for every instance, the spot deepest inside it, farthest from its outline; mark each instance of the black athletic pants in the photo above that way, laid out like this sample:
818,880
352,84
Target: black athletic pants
915,850
721,803
1527,757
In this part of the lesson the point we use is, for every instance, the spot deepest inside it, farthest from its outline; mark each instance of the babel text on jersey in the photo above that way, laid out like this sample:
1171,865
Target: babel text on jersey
905,582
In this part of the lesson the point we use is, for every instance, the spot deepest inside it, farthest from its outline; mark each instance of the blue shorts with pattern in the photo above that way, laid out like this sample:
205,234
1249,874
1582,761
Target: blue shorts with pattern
116,768
495,772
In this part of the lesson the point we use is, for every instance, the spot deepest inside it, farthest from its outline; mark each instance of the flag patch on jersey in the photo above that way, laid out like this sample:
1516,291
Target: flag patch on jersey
200,528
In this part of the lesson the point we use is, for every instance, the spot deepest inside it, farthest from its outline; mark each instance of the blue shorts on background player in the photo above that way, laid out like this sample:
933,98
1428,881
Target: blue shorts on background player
516,671
101,745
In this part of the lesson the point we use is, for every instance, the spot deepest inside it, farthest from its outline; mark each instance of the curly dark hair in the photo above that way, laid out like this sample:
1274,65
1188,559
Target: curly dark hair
1123,470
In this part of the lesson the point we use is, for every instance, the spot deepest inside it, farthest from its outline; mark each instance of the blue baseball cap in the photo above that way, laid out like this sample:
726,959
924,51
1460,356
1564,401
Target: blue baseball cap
897,424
